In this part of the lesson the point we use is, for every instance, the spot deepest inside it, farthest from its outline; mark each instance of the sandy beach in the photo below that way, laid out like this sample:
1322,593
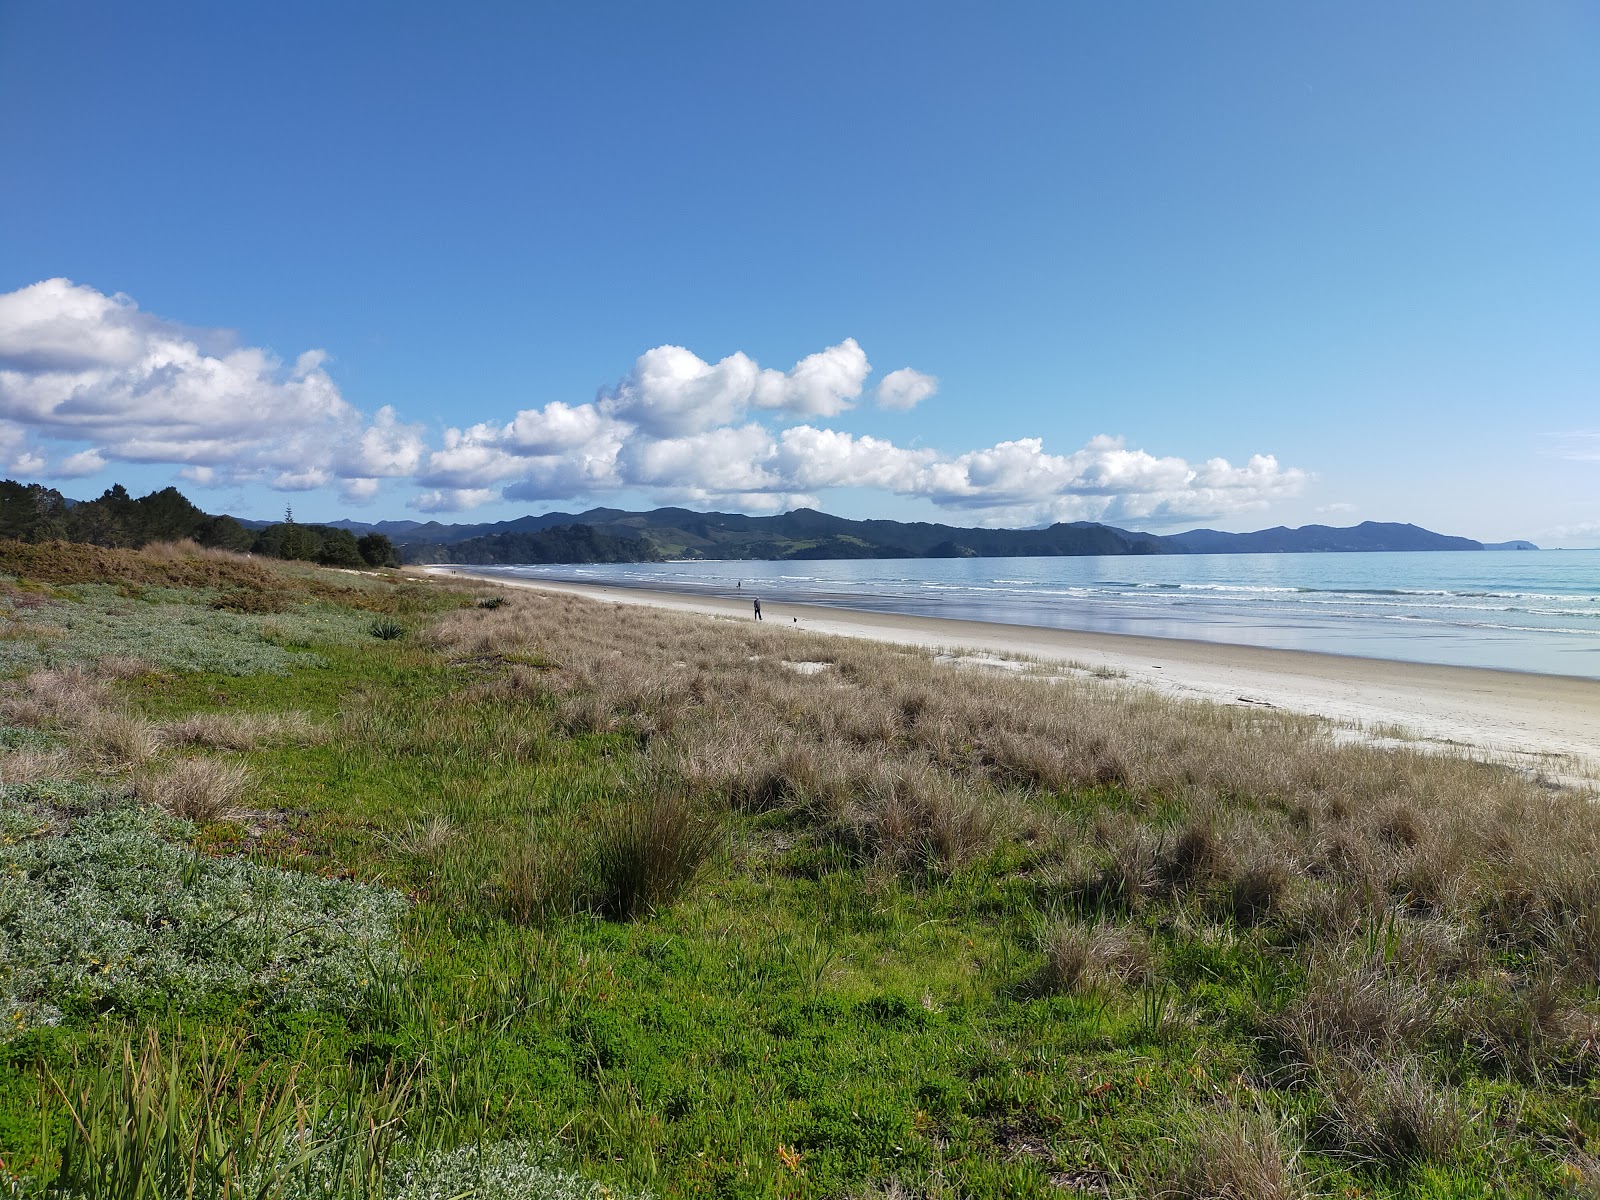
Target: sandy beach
1545,724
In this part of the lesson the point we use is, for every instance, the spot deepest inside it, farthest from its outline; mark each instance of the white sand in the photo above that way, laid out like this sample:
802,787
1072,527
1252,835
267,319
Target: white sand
1544,724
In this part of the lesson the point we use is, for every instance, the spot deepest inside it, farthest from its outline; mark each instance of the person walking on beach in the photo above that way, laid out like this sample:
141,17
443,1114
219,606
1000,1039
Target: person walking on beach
758,608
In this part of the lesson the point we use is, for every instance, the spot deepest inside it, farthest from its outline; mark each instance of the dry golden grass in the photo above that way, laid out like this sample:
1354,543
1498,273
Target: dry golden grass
1226,1153
26,765
1081,957
1389,1111
79,700
907,757
118,736
242,731
174,564
54,696
197,789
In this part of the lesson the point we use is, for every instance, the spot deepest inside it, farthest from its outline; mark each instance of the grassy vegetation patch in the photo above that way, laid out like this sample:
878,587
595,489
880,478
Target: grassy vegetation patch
167,631
712,926
111,908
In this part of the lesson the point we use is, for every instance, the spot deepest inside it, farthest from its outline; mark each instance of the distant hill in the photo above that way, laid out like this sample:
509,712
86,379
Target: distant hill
31,512
680,533
564,544
1367,536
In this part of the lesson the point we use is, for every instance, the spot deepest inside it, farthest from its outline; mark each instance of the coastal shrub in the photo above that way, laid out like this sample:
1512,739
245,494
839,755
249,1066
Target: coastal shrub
115,910
495,1171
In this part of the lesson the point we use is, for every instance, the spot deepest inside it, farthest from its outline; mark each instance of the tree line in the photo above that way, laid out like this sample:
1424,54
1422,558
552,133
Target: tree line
31,512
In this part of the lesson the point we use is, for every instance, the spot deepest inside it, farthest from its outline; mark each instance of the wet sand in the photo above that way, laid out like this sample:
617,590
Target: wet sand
1545,724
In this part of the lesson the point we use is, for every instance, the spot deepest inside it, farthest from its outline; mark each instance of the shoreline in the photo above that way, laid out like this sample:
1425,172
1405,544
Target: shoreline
1548,725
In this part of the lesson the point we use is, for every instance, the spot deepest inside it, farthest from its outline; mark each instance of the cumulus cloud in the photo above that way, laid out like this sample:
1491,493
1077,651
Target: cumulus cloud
446,500
78,365
387,448
17,454
731,460
76,466
672,392
823,384
358,491
906,388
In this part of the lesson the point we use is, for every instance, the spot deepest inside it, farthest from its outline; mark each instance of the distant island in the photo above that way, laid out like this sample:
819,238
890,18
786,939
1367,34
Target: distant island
34,513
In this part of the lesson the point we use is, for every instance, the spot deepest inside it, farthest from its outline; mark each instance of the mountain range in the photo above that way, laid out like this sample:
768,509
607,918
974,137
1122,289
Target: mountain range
680,533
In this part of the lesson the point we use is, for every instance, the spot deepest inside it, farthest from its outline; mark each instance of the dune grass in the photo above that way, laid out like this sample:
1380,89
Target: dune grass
672,916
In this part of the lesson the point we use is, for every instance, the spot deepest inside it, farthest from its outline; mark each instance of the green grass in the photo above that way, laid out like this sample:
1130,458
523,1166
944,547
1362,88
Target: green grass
792,1015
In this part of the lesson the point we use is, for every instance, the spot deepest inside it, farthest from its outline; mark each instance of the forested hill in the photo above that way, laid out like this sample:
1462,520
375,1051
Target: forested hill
564,544
34,513
679,533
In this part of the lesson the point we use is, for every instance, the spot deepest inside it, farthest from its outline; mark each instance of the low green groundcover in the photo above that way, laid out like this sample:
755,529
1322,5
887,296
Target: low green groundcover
112,908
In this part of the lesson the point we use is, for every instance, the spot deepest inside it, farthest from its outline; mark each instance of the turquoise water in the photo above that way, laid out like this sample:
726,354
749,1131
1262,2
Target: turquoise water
1516,610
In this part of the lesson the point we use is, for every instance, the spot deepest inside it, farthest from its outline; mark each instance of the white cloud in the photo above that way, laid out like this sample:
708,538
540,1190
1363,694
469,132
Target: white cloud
812,458
17,453
823,384
1339,508
672,391
726,460
56,326
78,365
358,491
76,466
904,389
558,428
386,448
1127,483
452,499
302,481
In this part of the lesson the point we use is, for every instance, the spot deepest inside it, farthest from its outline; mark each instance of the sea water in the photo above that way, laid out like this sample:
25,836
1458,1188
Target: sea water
1533,611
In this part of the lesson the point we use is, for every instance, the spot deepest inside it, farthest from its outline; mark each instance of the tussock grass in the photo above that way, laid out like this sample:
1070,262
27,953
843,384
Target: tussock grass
1389,1111
1223,1152
647,852
1082,957
1399,903
26,764
197,789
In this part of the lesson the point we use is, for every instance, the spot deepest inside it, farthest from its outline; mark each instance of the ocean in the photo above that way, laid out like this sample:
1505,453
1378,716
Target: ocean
1535,611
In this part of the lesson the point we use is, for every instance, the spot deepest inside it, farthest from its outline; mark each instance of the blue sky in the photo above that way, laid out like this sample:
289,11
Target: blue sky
1166,265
